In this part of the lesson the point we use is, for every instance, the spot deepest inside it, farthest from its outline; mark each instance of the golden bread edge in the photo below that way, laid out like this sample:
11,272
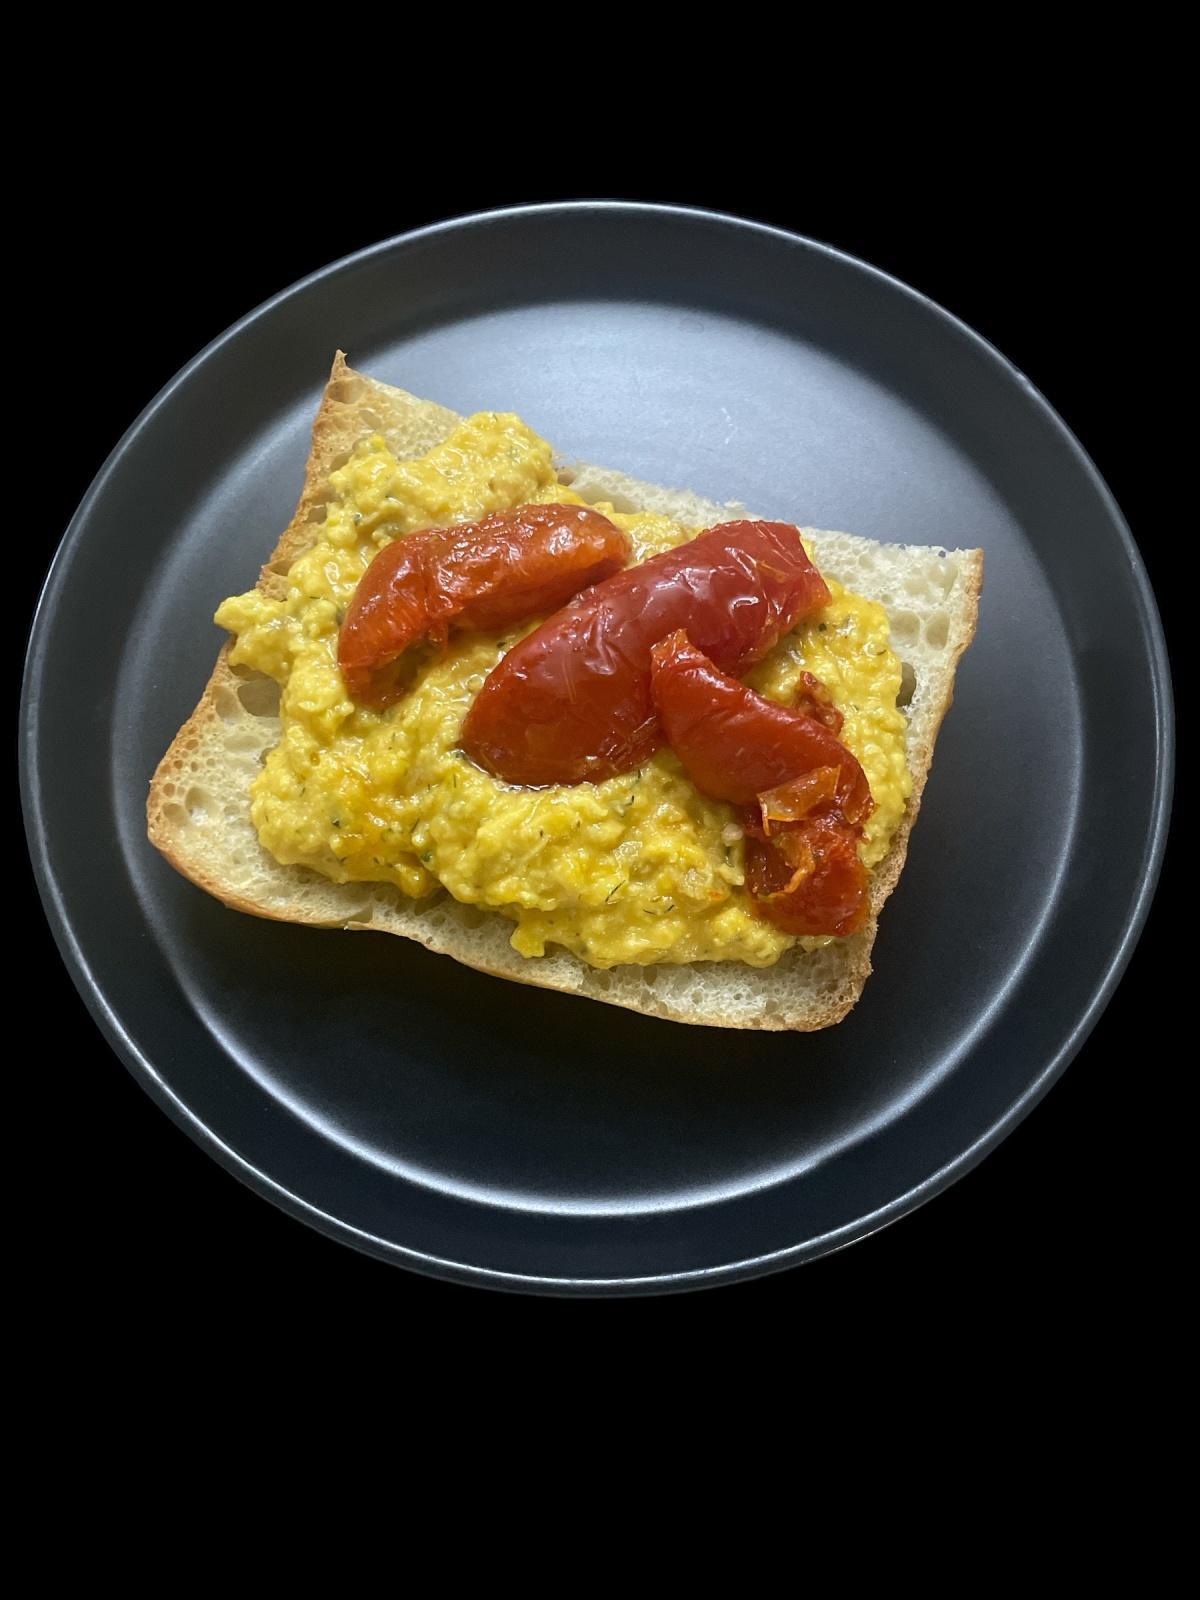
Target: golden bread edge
351,406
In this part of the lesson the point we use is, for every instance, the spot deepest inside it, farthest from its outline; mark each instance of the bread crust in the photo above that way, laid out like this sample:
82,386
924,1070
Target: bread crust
219,746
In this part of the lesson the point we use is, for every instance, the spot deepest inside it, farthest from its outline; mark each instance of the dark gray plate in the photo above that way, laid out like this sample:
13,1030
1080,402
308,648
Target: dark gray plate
474,1129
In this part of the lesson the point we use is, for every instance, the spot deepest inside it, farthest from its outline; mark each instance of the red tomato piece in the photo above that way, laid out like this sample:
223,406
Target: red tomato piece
572,702
804,795
826,893
506,567
734,744
798,797
813,698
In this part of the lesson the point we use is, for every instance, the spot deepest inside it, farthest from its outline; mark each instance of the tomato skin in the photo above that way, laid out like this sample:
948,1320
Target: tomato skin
733,743
572,702
506,567
813,698
798,798
804,875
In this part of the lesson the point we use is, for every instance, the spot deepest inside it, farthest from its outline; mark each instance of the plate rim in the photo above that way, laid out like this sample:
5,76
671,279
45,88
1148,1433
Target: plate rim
142,1068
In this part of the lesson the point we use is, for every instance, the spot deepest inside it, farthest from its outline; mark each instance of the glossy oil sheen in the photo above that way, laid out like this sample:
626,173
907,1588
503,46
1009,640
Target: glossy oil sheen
470,1127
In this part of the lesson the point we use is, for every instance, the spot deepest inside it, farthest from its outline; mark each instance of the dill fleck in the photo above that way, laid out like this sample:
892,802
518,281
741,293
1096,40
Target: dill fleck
614,889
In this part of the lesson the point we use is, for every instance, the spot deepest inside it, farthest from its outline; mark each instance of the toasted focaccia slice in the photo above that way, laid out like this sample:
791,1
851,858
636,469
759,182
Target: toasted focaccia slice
199,804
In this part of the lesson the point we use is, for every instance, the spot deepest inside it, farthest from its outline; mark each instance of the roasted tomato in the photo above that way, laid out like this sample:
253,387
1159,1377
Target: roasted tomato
508,566
734,744
804,795
572,702
808,879
798,798
813,698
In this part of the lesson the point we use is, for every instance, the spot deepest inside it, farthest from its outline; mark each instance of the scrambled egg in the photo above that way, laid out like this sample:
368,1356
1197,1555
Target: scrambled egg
640,868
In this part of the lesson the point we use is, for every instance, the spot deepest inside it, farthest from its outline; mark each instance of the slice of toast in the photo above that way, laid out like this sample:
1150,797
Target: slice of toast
199,806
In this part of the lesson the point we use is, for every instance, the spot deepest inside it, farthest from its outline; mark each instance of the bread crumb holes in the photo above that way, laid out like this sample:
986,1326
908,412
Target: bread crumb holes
198,804
906,627
260,697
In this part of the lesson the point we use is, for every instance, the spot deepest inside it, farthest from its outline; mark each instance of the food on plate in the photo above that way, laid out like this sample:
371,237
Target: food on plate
482,575
567,727
572,700
803,795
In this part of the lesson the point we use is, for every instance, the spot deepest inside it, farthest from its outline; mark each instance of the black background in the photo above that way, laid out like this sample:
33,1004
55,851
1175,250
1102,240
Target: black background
1050,252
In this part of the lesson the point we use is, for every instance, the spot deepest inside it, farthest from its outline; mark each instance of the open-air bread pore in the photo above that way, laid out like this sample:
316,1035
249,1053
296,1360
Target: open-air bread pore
199,805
